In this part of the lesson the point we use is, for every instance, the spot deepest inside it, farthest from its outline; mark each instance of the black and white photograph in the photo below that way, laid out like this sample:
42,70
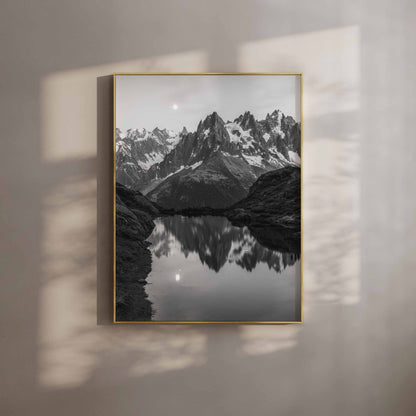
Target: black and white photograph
207,198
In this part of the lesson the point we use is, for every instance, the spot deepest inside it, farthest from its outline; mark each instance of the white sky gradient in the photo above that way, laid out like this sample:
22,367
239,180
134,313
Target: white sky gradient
148,101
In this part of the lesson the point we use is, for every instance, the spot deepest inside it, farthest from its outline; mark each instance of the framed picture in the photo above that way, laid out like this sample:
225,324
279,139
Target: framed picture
207,198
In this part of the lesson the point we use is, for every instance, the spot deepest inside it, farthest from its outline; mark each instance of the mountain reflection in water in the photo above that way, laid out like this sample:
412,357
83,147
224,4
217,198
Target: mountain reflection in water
216,241
206,269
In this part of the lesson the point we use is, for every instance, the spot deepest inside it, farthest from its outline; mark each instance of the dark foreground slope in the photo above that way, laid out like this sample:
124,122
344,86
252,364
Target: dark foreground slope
134,223
274,199
218,182
272,210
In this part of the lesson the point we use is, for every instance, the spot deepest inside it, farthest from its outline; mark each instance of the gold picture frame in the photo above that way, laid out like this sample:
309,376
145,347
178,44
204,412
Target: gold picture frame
115,75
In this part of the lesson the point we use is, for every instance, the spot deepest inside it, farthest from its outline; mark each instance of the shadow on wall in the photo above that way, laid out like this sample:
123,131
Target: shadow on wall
73,350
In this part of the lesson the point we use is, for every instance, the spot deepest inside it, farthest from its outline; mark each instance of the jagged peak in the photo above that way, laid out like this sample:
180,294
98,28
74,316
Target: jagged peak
214,117
131,133
184,131
238,119
246,121
243,118
157,130
119,134
276,113
247,115
212,120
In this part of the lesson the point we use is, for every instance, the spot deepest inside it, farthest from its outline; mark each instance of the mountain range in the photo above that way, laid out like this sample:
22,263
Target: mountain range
138,149
213,166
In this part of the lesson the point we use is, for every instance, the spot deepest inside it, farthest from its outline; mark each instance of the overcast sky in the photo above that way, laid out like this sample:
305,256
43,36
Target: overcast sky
172,102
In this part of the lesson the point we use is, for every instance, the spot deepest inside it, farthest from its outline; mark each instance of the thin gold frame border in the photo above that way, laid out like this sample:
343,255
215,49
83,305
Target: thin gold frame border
300,74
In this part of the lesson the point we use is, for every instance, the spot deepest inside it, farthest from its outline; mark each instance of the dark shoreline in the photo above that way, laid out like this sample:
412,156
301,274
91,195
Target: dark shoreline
134,223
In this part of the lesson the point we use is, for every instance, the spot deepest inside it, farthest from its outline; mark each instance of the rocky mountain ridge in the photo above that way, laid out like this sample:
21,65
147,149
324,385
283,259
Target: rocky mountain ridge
138,149
212,166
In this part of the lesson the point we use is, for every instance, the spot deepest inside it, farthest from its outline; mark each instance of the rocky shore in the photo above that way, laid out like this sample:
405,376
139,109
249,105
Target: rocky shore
134,223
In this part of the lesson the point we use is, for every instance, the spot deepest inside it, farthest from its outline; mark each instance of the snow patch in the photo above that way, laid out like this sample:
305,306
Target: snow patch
142,138
247,144
294,157
228,154
254,160
195,165
240,248
151,159
277,129
279,116
266,136
121,134
277,162
176,171
278,154
122,147
173,141
234,137
137,135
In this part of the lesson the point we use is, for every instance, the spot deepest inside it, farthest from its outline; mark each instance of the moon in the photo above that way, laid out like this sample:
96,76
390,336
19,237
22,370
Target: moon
175,106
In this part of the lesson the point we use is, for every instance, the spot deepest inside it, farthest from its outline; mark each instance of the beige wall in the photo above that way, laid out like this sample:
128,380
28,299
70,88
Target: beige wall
354,354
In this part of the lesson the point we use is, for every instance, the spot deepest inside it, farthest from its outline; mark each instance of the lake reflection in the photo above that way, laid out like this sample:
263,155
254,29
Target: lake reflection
206,269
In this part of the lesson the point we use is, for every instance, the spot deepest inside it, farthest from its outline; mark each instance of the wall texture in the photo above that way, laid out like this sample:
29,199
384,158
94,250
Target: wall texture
354,354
